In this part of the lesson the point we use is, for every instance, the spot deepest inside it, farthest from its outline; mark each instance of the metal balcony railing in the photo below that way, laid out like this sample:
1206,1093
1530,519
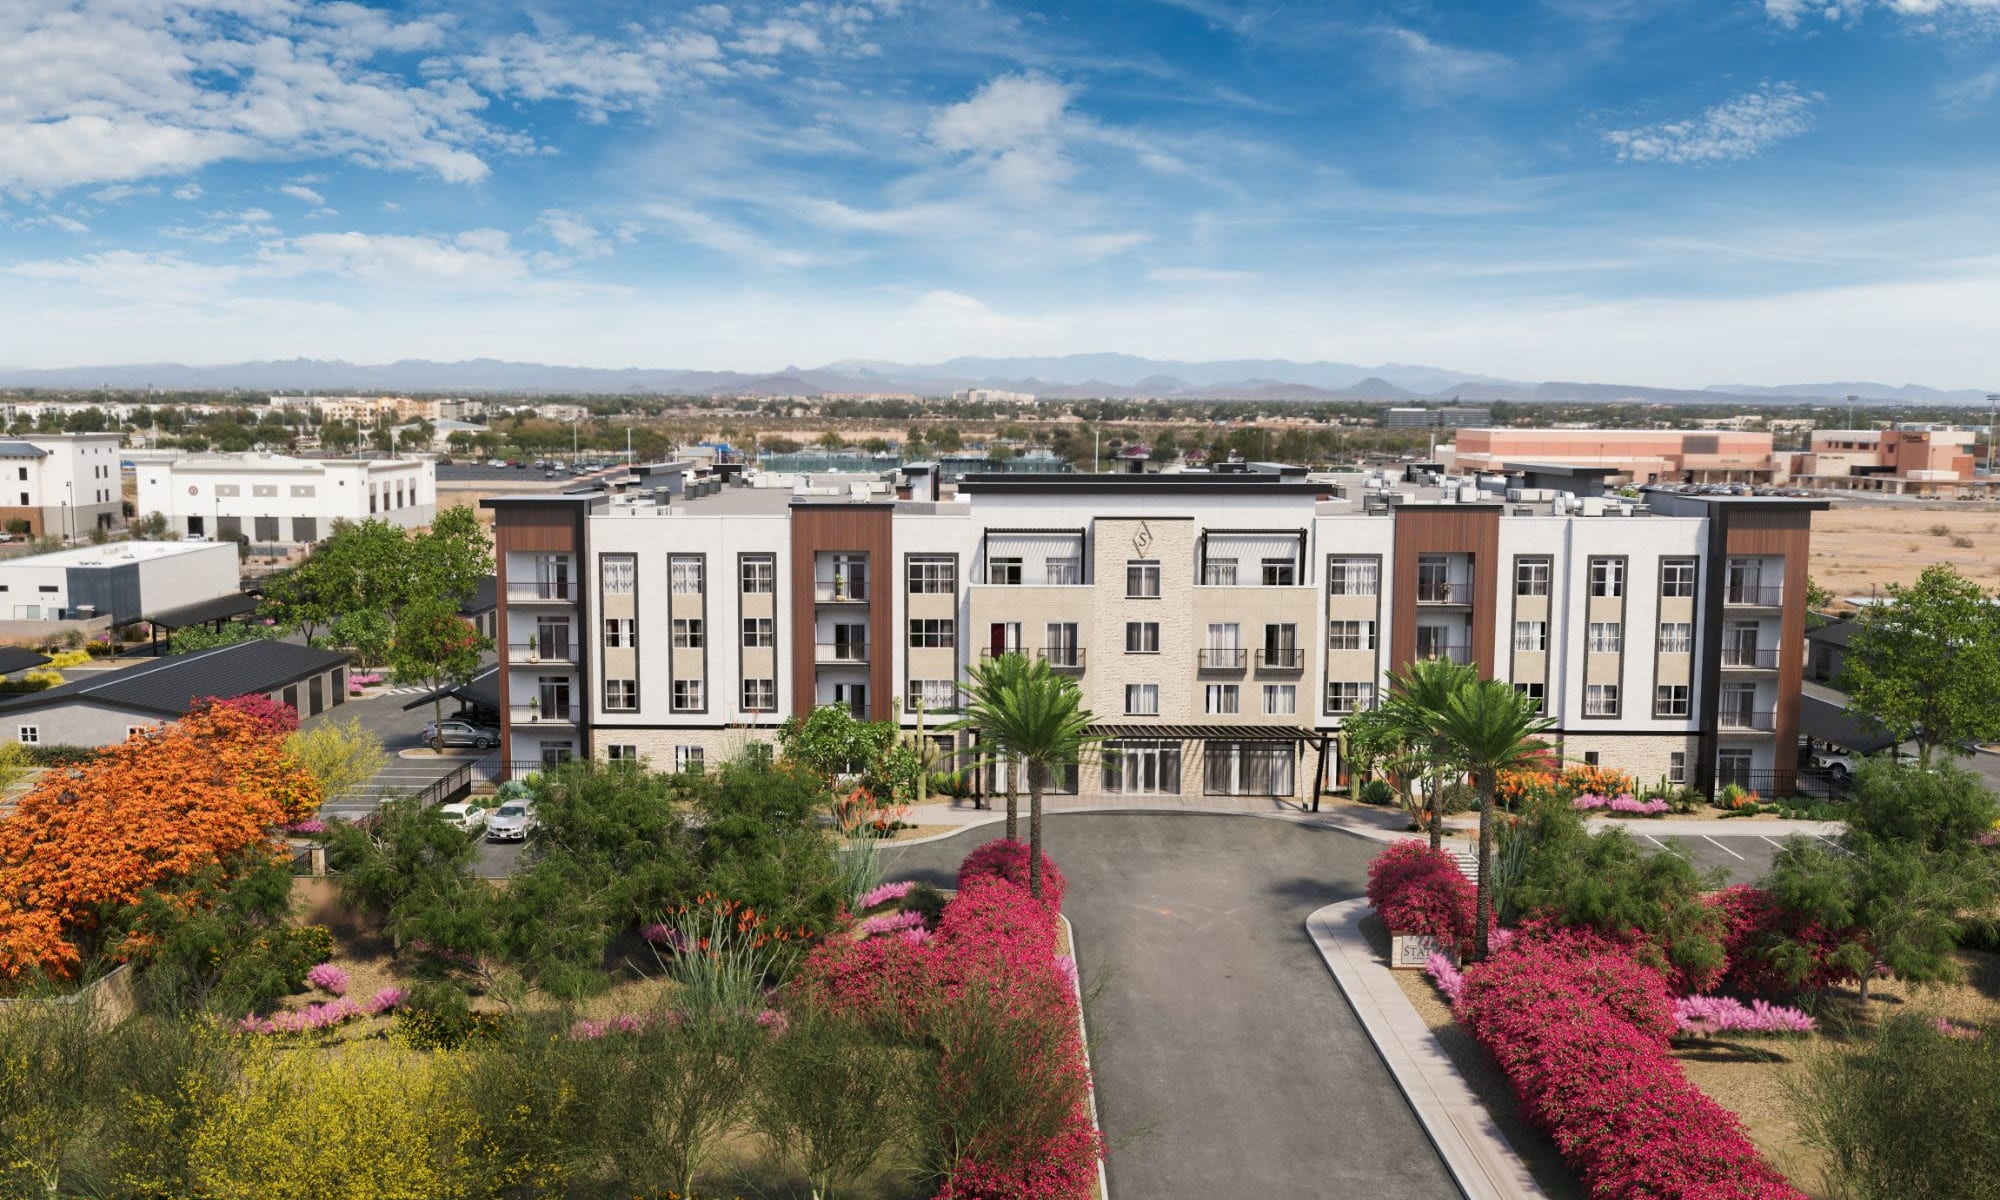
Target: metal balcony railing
1281,659
1446,591
990,652
1063,658
530,766
1753,596
1804,781
543,714
555,592
840,653
539,652
825,591
1443,652
1746,720
1750,658
1224,659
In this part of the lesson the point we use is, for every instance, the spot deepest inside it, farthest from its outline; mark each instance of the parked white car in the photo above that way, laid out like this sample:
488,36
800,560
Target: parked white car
510,822
466,816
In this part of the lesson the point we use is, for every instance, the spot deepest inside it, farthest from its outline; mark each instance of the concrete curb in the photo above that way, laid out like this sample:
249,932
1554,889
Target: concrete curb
1474,1150
1083,1035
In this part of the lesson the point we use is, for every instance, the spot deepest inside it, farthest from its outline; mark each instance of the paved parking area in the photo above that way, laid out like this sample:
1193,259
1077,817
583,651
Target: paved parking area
1740,858
1227,1061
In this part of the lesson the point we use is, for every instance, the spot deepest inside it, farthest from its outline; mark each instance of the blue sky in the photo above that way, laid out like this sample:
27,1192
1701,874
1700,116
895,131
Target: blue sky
1661,191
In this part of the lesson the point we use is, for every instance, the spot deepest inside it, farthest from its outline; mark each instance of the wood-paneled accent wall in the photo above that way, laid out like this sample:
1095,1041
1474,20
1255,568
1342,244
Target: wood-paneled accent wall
844,528
1446,529
1786,532
556,528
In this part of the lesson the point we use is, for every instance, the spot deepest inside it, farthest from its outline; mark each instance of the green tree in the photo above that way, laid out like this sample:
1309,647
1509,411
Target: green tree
437,648
996,675
341,755
1491,727
450,558
411,867
1419,696
1035,717
833,1099
830,741
1926,665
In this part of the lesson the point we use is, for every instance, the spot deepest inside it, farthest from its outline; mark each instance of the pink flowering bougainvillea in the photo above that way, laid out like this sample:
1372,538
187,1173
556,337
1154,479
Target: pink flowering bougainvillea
1421,891
1726,1014
878,896
1754,925
1007,860
1581,1033
890,923
386,999
313,1018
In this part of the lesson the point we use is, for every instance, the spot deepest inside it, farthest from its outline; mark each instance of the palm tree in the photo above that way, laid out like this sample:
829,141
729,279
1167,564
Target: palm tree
1491,727
991,676
1418,695
1029,714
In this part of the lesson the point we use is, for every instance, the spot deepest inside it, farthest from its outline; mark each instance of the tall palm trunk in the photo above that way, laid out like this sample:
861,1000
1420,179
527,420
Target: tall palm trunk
1482,907
1434,800
1035,831
1013,809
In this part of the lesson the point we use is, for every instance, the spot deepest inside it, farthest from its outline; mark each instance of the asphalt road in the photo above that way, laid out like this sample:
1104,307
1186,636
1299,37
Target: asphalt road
1228,1062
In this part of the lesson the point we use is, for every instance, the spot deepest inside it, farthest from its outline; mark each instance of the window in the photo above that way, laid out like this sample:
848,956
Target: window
1004,571
618,633
1353,576
1142,579
938,695
621,695
618,575
622,753
1590,757
132,731
1281,699
1281,648
1060,641
1064,572
1221,699
1350,635
760,695
933,576
1142,699
1142,768
1600,700
1280,572
933,633
1219,572
688,633
1607,577
1531,636
1246,769
1670,700
1677,767
760,574
1676,637
689,759
1531,577
1677,577
31,735
1606,637
759,631
1142,637
688,695
1732,766
684,571
1349,697
1536,692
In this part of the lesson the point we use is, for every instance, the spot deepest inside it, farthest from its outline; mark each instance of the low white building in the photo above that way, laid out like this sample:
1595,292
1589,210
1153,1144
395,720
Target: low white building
60,483
276,498
121,580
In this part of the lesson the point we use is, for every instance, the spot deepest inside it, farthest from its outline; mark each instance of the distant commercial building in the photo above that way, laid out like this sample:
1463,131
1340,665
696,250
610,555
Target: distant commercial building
1451,417
276,498
1904,459
60,483
125,581
364,410
1634,455
992,396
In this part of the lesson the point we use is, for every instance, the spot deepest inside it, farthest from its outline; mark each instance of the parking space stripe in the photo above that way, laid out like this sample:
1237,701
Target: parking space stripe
1726,850
1656,841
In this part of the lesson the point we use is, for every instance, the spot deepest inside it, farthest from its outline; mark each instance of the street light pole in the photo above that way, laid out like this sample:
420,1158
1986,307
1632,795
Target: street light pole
1992,404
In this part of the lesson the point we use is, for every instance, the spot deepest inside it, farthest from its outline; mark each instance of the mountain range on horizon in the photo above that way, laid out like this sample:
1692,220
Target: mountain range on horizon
1066,377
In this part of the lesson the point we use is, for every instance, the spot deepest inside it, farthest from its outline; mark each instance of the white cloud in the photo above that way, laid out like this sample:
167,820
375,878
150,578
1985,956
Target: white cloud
187,191
1926,16
1429,72
227,226
727,237
599,76
574,234
132,275
1012,128
299,191
1733,130
477,259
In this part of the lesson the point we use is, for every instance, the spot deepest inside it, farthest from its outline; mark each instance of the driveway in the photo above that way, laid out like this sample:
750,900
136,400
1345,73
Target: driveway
1227,1061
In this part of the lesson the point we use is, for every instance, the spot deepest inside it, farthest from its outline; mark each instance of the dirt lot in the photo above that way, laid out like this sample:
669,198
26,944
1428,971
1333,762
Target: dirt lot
1859,546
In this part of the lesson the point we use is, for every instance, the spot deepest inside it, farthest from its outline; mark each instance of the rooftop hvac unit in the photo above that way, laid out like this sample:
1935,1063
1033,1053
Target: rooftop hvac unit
1514,496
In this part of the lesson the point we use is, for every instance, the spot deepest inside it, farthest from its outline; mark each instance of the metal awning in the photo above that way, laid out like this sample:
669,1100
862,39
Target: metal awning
222,608
1190,733
1837,726
481,691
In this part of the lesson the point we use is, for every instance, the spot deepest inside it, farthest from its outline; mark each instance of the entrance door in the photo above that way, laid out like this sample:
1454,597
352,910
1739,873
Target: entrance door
1004,637
315,695
854,696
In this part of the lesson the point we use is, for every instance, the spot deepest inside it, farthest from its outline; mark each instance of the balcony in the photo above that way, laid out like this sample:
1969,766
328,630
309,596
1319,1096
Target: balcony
539,714
826,591
1749,658
563,653
1443,652
1002,652
1223,660
1063,658
1444,591
1289,658
1753,596
555,592
840,654
1738,719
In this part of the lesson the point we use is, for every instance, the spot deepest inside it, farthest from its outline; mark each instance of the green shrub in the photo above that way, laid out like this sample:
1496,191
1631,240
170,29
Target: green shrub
438,1016
926,901
1377,792
61,756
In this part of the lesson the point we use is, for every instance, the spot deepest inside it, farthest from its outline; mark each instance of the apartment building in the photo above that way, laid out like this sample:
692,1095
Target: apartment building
1221,625
64,484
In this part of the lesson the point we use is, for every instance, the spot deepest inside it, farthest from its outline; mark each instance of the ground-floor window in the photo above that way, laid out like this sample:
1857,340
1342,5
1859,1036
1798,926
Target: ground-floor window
1732,766
689,758
1247,768
1001,772
554,754
622,752
1142,768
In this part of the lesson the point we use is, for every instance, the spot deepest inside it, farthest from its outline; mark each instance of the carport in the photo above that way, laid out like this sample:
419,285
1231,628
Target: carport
217,613
478,698
1829,726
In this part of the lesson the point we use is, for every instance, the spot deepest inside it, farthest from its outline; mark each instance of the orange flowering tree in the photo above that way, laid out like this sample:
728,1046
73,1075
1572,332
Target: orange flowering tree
1581,778
86,843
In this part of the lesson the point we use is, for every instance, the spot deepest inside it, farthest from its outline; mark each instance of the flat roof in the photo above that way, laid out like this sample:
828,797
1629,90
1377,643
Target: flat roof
1560,468
1836,725
112,554
170,686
